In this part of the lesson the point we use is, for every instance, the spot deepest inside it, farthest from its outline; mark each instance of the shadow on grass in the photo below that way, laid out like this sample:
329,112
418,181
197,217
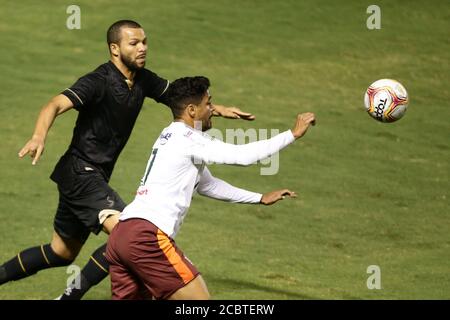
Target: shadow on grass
245,285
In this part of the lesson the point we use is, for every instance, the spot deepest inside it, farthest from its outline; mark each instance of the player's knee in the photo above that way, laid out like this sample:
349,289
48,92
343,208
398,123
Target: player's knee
67,249
58,258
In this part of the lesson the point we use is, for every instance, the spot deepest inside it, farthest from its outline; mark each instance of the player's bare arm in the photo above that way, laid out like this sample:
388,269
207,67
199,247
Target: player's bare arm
35,146
270,198
231,113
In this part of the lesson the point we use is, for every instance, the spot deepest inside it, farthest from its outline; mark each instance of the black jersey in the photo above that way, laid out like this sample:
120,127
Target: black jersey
108,109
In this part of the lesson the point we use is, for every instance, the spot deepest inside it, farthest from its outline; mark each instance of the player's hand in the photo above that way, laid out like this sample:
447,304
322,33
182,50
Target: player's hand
232,113
34,147
274,196
304,121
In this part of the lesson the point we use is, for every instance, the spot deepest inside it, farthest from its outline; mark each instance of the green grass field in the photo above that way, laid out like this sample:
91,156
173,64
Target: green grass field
369,193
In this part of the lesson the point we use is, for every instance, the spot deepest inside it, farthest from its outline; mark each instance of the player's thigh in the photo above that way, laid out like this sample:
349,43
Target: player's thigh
67,225
194,290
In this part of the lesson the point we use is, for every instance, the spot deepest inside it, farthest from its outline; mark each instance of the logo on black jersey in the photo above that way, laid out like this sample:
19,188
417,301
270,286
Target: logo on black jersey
110,202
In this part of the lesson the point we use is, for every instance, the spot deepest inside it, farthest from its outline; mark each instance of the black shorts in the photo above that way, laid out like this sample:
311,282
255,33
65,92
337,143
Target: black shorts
83,194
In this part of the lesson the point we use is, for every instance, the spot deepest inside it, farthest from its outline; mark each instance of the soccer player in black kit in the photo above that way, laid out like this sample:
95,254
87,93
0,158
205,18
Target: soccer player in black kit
108,101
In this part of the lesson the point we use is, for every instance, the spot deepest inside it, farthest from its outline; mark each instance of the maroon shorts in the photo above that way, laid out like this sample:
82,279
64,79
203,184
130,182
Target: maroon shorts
145,262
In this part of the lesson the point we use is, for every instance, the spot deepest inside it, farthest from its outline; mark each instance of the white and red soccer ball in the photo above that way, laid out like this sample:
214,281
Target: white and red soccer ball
386,100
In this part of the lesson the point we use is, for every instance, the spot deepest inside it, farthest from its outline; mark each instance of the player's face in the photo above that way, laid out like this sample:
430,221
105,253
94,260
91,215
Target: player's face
205,111
133,48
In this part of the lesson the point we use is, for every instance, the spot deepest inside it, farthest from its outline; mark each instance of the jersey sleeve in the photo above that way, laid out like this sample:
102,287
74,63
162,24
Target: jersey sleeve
84,90
213,187
211,150
155,87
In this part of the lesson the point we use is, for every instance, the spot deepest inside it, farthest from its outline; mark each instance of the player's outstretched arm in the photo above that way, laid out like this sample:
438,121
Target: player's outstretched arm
212,187
216,151
216,188
232,113
35,146
270,198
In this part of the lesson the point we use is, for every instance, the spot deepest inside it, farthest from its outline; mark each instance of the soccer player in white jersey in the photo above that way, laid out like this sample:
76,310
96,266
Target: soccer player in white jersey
144,259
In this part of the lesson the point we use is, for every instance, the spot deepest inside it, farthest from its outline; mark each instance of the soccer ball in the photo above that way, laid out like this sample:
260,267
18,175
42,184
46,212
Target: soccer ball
386,100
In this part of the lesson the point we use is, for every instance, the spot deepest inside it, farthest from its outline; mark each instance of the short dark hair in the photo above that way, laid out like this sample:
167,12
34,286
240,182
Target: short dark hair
184,91
113,33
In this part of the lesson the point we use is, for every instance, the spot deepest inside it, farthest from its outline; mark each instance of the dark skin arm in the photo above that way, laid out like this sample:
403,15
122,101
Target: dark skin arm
35,146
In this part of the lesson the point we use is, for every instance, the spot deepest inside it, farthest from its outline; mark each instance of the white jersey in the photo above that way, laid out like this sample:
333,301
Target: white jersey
177,167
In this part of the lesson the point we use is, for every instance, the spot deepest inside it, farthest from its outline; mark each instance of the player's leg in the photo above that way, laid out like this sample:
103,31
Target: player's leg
96,217
64,247
60,252
194,290
96,269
